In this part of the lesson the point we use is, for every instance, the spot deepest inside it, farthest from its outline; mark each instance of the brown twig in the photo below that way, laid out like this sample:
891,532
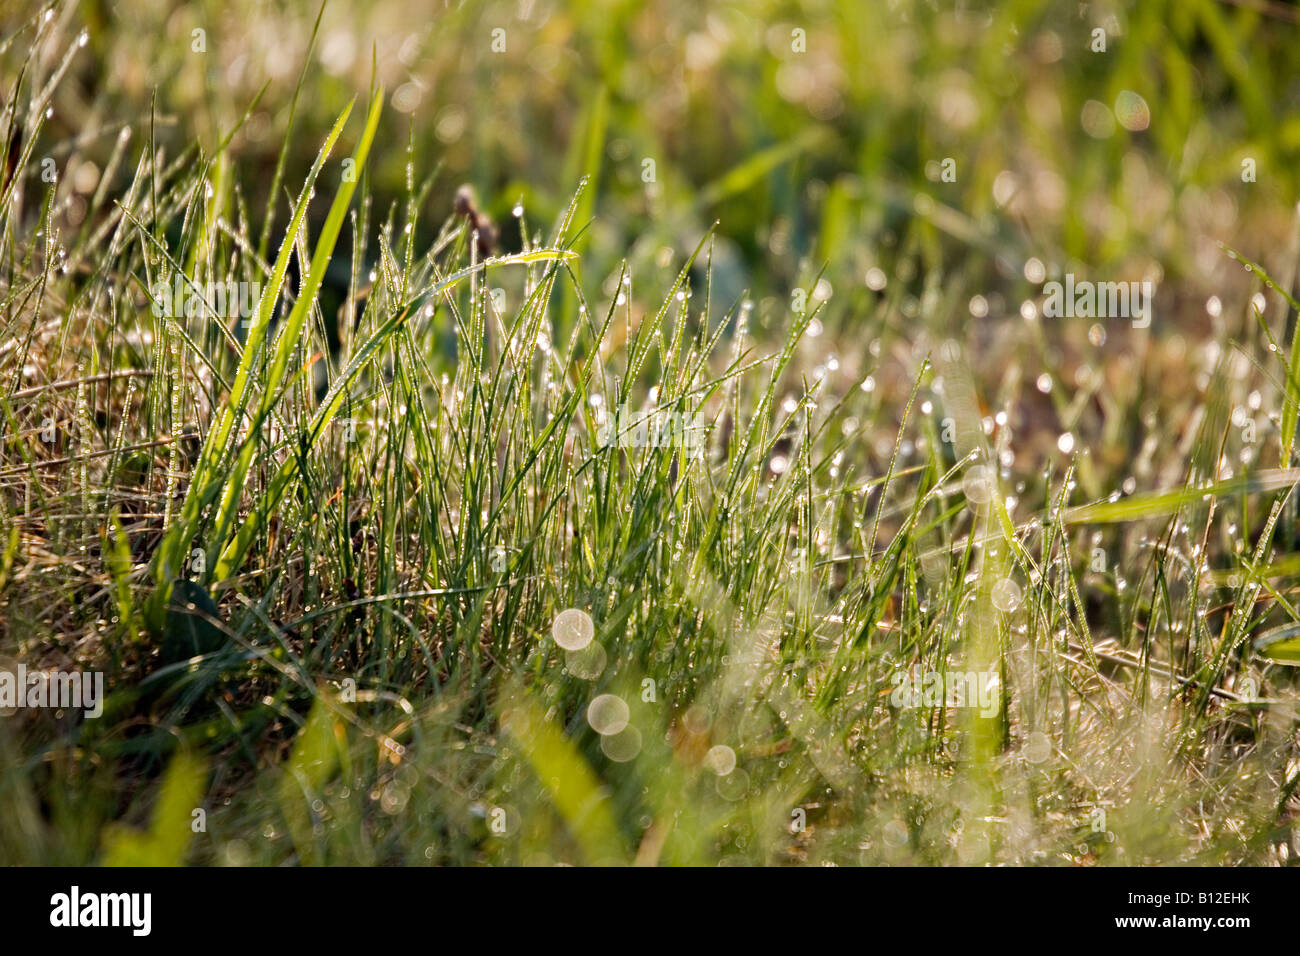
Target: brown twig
73,382
23,469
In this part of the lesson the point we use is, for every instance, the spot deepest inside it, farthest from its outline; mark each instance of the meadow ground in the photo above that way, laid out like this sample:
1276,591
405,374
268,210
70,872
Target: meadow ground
605,432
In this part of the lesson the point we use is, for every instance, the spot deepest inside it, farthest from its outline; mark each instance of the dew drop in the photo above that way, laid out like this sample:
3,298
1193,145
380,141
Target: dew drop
720,759
1006,595
608,714
573,629
977,484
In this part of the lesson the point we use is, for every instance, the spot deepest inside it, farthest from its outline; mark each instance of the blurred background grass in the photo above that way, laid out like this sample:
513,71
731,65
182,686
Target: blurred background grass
805,129
814,134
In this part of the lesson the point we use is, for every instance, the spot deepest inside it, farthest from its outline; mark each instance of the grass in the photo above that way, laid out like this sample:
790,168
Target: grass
322,555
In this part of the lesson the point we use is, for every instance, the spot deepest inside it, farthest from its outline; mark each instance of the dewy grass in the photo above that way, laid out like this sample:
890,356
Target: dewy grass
404,567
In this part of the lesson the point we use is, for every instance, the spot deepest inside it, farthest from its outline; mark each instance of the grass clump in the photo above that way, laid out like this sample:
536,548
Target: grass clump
551,555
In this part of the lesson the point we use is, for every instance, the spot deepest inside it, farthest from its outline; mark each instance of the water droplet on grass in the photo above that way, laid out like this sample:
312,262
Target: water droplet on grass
720,759
622,746
1006,595
608,714
573,629
588,663
978,484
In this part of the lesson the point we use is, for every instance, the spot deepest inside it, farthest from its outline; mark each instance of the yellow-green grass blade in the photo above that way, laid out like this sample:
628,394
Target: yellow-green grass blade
234,551
208,478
